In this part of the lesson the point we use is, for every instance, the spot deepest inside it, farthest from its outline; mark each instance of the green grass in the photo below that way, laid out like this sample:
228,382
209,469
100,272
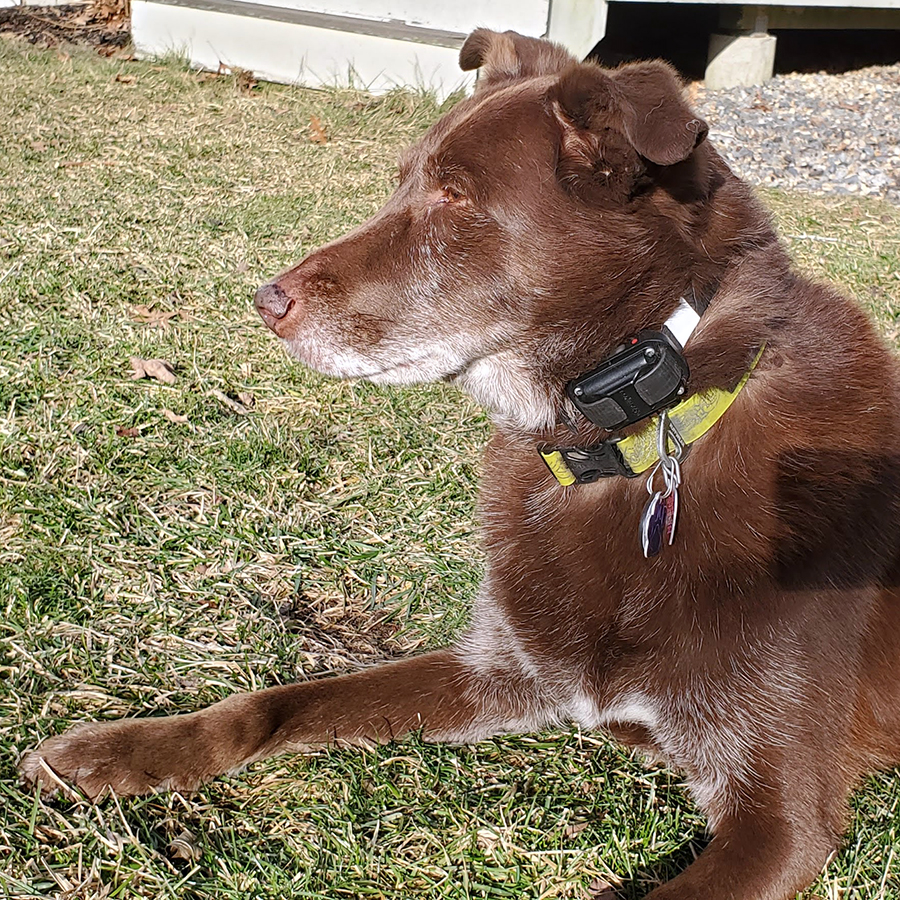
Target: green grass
331,525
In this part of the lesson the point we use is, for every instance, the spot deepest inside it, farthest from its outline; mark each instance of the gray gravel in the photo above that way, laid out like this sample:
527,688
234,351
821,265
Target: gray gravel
835,134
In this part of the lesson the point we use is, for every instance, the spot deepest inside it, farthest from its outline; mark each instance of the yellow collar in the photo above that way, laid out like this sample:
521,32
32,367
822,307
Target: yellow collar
630,456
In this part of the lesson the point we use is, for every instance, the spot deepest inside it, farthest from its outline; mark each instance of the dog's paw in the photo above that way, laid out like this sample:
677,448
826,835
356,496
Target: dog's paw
127,758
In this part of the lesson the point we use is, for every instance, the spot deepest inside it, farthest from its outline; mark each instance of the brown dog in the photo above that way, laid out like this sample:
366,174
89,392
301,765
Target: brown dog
560,210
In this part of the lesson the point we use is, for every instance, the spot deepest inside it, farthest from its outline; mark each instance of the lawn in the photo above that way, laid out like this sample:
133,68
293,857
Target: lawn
251,523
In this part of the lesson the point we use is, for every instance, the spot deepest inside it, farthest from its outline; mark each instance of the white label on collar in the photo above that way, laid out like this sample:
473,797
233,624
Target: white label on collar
682,322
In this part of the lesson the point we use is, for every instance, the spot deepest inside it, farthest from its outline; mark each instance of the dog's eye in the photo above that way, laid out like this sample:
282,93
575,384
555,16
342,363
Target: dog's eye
450,195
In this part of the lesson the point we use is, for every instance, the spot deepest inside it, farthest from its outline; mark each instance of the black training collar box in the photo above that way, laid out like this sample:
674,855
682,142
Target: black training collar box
649,375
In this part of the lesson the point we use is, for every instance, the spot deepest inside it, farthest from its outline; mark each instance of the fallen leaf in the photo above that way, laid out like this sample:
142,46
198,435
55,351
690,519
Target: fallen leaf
121,431
600,889
233,405
247,399
185,847
158,369
125,79
174,417
317,132
207,76
147,315
244,79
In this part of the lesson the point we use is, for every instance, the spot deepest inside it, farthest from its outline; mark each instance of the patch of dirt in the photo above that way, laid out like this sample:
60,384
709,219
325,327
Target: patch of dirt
104,25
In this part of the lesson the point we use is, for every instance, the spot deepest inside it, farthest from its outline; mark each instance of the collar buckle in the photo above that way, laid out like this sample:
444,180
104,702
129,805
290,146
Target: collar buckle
583,465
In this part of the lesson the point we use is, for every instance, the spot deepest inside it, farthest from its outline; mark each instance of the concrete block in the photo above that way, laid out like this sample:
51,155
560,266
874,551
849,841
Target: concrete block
739,60
579,25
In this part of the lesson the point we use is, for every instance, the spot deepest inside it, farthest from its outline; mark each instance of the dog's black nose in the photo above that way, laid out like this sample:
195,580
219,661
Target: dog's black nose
272,303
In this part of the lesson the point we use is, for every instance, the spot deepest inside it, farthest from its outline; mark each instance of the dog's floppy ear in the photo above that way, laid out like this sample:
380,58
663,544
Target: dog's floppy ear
508,56
655,116
642,101
596,159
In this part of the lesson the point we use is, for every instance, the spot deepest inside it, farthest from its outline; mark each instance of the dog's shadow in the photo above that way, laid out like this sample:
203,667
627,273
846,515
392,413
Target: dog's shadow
646,878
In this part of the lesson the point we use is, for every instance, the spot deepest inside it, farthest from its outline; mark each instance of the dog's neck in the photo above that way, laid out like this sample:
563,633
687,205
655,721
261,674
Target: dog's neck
529,404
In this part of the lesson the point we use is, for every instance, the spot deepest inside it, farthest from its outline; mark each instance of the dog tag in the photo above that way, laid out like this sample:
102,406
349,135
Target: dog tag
671,504
654,523
661,512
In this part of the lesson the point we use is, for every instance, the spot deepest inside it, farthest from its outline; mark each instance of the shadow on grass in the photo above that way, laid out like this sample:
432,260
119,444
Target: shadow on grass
645,879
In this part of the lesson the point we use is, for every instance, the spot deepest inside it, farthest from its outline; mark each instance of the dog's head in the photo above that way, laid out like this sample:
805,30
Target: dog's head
555,211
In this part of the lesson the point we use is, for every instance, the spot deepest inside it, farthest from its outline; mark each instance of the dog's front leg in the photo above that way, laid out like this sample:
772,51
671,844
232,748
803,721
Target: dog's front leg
770,848
437,693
